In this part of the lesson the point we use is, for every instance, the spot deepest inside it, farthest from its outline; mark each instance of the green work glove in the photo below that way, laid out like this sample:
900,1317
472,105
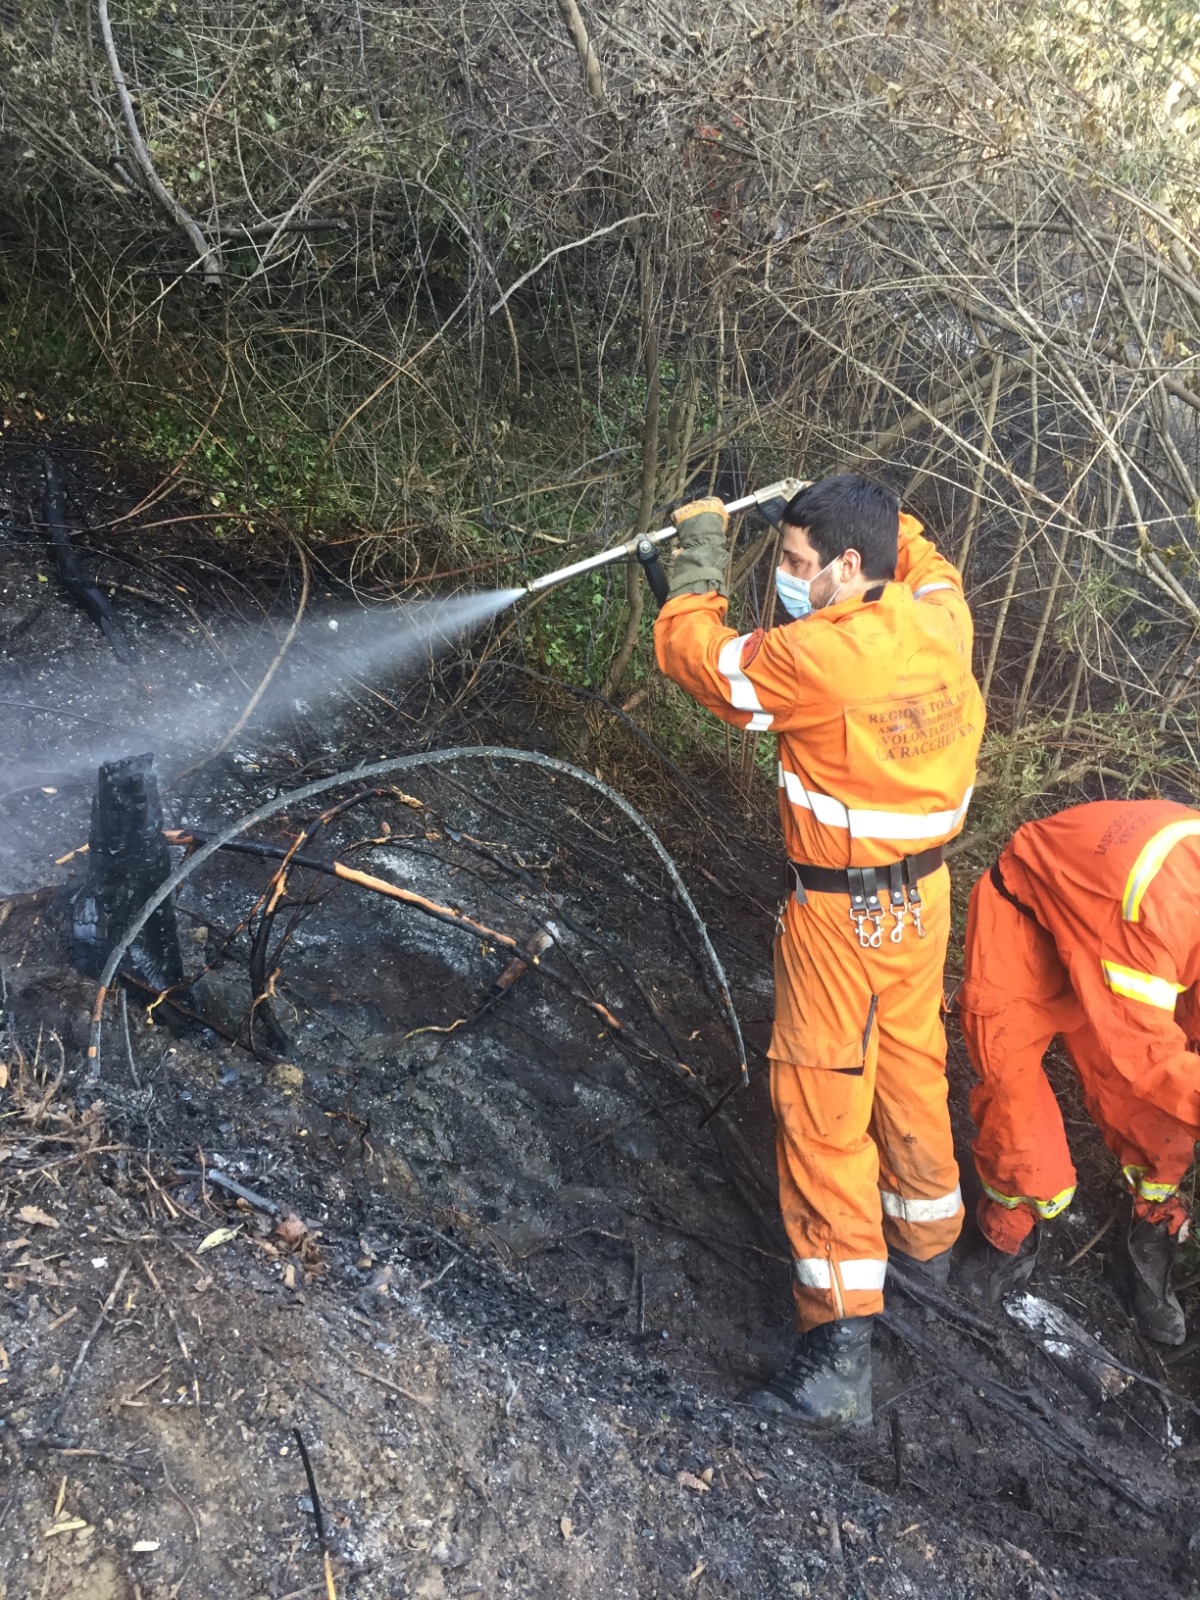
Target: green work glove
699,568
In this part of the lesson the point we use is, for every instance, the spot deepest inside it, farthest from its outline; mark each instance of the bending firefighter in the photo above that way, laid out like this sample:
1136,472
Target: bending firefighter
1088,927
870,692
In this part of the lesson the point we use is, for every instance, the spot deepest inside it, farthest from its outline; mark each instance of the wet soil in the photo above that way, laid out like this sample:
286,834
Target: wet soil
488,1263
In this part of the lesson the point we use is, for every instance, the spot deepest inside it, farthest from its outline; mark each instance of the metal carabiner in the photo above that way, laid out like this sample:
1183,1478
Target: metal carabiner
859,917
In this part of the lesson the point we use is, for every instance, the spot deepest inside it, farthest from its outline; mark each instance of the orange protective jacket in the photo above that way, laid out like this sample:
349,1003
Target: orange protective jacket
878,717
1116,885
879,722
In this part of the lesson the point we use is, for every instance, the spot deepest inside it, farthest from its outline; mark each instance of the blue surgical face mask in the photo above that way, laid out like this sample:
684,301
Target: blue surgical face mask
794,595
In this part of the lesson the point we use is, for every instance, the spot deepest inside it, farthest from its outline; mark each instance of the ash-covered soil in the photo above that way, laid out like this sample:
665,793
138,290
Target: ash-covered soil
488,1263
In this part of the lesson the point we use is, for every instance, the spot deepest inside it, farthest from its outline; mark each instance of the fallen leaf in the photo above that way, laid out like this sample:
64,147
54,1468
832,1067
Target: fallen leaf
3,1074
72,1525
36,1218
144,1546
15,1244
688,1480
291,1230
216,1237
566,1527
707,1476
285,1075
289,1275
3,1359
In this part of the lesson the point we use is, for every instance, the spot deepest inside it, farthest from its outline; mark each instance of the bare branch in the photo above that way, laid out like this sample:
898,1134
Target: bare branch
208,254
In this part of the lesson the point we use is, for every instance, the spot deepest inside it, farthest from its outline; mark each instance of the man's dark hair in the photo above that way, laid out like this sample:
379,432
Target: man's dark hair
849,512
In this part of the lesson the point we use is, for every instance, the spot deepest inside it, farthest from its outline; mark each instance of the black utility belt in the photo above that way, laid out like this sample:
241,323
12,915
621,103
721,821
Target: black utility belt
868,888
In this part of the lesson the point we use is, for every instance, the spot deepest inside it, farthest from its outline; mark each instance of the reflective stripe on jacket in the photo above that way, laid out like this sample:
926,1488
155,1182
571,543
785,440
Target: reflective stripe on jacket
878,716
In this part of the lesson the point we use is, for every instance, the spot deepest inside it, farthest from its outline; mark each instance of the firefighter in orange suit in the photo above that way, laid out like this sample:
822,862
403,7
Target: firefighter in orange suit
870,693
1088,926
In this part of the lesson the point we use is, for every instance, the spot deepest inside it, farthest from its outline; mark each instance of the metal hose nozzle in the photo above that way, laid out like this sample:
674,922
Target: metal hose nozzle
770,501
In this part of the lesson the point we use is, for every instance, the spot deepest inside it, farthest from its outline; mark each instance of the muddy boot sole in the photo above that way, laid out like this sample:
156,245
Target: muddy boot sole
771,1404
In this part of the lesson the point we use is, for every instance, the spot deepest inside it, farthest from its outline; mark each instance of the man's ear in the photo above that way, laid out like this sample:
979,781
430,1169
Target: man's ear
853,560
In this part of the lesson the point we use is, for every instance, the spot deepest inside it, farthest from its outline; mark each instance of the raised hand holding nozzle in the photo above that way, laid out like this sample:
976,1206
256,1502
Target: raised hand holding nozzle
700,565
770,501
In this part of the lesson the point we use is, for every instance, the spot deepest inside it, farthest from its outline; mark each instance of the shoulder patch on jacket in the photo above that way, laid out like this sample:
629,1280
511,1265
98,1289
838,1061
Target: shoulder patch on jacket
751,647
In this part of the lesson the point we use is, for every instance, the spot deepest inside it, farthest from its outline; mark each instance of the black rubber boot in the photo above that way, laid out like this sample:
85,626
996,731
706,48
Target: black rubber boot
1156,1309
989,1274
934,1273
827,1383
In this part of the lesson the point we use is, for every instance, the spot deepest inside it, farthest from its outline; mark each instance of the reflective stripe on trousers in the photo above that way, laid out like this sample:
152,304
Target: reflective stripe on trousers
1135,1177
936,1210
814,1272
1046,1209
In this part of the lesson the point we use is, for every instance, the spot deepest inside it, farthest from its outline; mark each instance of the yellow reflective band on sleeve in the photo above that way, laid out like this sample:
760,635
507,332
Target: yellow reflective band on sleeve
1131,984
1153,853
1046,1209
1136,1179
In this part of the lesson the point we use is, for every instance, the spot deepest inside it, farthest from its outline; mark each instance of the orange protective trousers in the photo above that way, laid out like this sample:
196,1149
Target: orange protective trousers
864,1146
1016,996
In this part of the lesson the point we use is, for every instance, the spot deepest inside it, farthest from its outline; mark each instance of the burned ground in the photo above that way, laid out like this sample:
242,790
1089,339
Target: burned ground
489,1264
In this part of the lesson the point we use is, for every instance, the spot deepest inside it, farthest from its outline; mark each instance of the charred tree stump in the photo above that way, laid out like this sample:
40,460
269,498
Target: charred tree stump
128,859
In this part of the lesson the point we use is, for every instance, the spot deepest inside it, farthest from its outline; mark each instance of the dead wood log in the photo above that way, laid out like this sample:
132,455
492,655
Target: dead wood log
524,956
379,769
1017,1406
